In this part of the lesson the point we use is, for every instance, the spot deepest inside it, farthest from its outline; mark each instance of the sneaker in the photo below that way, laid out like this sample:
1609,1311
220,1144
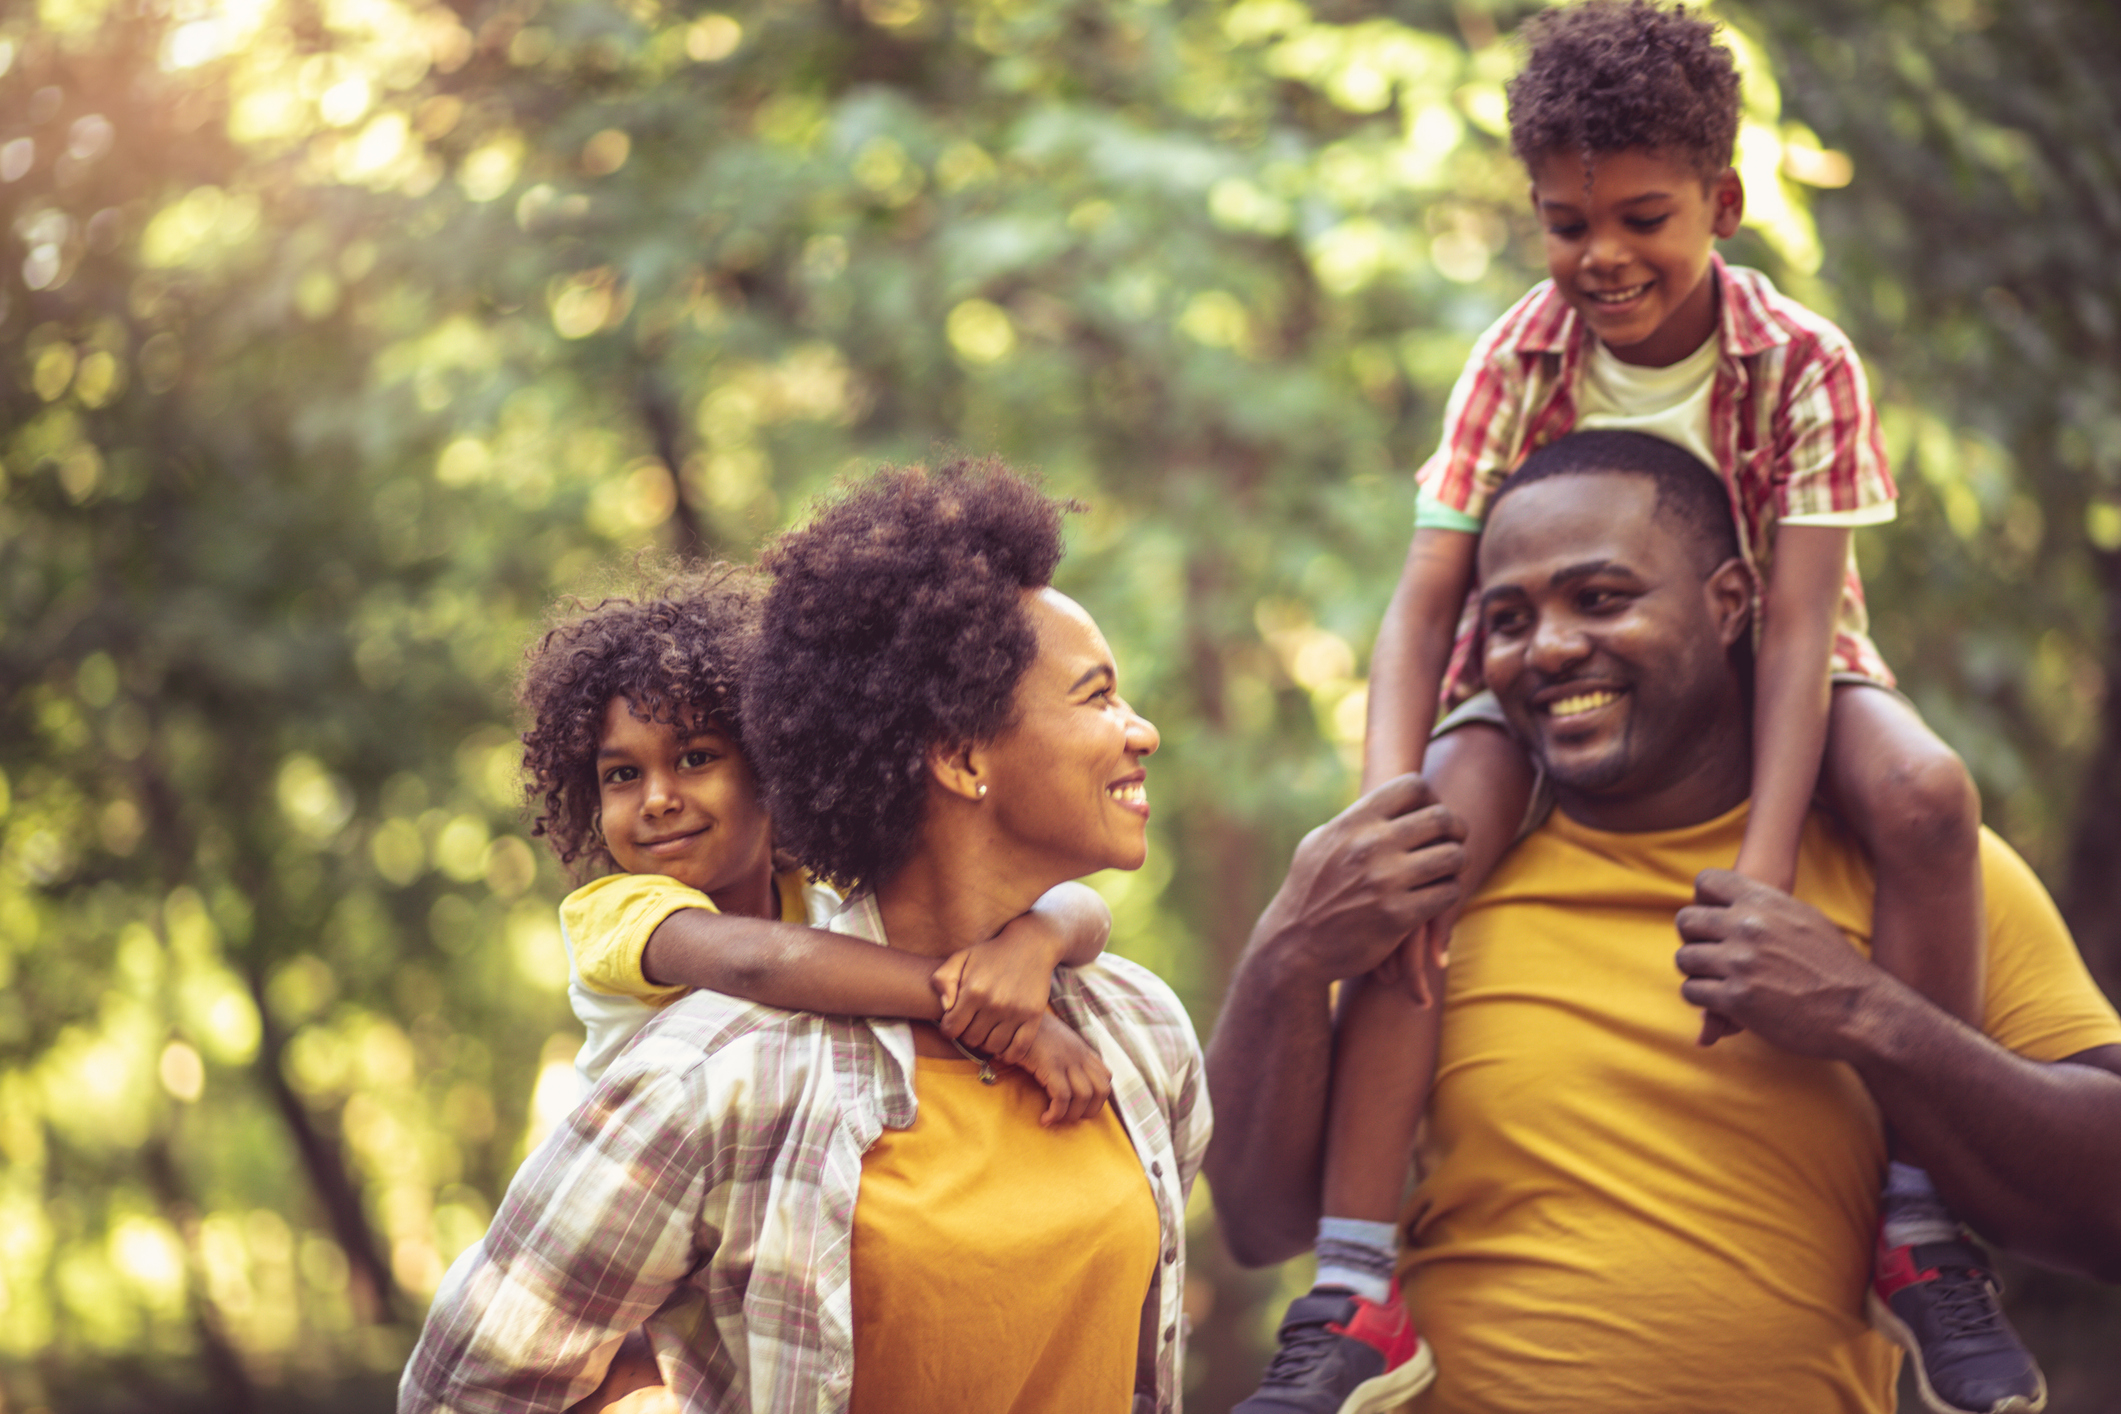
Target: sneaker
1340,1353
1937,1301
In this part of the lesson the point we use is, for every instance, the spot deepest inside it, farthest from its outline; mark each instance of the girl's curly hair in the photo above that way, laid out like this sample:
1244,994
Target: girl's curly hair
674,651
1608,75
895,623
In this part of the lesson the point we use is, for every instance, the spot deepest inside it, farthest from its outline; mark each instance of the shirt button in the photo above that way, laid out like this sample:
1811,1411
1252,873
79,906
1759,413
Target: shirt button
1170,1333
1170,1256
1156,1170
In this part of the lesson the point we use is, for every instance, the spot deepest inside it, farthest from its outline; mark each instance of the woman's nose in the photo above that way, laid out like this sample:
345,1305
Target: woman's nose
1142,736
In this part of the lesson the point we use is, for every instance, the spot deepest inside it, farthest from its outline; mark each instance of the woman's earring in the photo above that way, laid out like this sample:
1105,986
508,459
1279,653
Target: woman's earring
981,790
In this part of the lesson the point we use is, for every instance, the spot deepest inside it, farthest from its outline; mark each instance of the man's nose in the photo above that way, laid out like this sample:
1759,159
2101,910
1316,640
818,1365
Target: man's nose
1557,642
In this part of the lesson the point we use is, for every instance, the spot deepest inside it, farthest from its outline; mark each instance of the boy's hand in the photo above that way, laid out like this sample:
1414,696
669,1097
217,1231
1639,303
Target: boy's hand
1074,1076
994,993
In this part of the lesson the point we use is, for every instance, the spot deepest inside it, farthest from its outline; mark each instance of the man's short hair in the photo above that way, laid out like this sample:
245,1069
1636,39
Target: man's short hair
1605,76
1690,497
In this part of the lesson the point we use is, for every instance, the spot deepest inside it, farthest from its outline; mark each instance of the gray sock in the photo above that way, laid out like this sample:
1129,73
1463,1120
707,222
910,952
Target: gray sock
1357,1255
1912,1211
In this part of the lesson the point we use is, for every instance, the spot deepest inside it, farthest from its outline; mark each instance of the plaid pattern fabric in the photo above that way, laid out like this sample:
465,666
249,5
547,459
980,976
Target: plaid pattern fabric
706,1188
1790,419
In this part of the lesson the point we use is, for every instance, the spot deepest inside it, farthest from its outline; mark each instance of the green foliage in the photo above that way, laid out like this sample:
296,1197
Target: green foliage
337,340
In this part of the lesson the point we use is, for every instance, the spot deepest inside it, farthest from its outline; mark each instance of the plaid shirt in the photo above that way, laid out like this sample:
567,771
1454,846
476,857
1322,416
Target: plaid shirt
1790,419
706,1188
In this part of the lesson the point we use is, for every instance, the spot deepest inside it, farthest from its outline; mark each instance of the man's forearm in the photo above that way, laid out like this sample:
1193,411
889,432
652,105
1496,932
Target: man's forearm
2024,1151
1269,1065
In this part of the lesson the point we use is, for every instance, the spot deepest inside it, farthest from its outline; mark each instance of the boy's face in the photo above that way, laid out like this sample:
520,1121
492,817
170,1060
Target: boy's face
1629,249
682,802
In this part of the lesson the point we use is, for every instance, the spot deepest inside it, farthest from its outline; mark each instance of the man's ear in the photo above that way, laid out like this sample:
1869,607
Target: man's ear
956,767
1727,201
1730,592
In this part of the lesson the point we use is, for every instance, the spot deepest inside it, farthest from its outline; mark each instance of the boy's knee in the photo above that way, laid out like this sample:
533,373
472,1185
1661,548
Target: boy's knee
1928,806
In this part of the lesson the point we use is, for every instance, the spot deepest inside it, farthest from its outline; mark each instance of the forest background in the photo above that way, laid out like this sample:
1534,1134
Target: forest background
339,337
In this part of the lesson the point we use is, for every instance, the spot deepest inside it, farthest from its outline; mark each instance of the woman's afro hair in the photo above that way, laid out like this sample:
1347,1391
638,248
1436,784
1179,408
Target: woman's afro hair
1608,75
895,624
674,649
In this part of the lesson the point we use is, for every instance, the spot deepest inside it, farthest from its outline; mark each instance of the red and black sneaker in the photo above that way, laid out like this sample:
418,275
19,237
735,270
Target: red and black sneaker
1937,1301
1343,1354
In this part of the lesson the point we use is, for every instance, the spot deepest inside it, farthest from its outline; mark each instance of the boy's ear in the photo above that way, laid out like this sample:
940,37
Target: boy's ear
955,766
1727,201
1730,591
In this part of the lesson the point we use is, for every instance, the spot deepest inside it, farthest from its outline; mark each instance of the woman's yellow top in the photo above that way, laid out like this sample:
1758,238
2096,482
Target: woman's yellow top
999,1267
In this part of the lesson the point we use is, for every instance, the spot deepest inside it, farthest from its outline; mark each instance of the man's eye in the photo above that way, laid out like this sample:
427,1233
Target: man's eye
1505,625
1601,599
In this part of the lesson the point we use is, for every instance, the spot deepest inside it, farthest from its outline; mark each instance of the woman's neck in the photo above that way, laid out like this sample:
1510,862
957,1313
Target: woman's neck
962,886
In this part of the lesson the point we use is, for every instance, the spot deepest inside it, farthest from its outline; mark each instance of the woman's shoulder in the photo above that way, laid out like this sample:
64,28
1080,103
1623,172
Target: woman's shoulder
1131,998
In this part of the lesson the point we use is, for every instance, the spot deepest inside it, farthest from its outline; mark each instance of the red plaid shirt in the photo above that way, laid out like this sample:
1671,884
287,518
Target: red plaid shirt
1790,419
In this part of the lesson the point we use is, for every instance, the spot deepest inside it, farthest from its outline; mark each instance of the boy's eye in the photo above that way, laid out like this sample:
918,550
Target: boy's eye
1647,223
1567,230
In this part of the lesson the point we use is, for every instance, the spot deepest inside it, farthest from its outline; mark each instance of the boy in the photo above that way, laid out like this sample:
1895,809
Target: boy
636,762
1626,118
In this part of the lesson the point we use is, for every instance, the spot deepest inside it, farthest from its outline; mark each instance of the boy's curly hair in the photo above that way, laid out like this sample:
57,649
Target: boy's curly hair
895,623
1608,75
674,649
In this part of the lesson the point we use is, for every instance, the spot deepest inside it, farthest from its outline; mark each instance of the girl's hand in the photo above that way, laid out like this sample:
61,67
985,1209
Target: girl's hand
994,993
1075,1077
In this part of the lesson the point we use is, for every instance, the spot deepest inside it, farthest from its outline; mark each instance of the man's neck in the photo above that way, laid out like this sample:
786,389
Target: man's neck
1713,778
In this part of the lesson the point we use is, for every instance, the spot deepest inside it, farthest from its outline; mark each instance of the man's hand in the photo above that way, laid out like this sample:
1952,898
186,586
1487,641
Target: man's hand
994,993
1775,965
1365,881
1076,1079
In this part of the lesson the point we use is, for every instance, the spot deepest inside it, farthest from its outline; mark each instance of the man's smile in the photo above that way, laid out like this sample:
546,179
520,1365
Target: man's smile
1575,704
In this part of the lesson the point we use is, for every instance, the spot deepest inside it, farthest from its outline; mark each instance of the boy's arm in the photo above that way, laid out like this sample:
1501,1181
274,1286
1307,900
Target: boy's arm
996,990
789,965
1791,695
1413,651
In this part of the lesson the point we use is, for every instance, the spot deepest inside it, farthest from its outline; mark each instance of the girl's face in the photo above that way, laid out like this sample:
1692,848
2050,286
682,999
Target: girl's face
1065,779
682,801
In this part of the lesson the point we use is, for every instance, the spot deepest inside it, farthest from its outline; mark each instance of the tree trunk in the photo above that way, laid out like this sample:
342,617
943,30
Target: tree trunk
2093,900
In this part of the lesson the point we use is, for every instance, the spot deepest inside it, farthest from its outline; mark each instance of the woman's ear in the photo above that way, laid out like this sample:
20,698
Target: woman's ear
956,767
1730,591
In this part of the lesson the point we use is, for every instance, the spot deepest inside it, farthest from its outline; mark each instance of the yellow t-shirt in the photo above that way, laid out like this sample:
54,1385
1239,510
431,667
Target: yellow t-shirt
1613,1219
999,1267
606,925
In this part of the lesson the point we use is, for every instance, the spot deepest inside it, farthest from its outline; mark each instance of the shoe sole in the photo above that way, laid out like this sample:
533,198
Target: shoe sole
1896,1330
1394,1388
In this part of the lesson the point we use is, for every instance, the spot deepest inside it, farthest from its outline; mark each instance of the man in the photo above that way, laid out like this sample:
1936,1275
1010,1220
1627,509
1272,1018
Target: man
1610,1216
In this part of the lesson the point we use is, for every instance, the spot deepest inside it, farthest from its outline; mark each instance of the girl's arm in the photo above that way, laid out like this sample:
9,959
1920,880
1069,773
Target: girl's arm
789,965
1791,695
1413,651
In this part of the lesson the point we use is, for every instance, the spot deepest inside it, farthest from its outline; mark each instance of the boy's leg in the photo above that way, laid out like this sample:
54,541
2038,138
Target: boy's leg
1909,799
1384,1041
1349,1333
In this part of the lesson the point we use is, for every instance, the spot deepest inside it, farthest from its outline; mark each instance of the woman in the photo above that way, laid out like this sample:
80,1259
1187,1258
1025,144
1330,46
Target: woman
827,1214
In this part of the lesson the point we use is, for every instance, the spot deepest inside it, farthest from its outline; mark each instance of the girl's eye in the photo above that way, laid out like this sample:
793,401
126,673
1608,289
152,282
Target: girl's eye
693,760
619,775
